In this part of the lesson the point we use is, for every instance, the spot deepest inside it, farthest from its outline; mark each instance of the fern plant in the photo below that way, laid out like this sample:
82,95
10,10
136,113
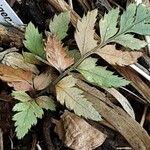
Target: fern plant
29,110
114,28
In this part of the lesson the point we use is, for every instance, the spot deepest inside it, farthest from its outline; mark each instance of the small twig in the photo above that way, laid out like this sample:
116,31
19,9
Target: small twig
147,61
84,4
116,4
11,143
147,38
123,148
143,68
42,60
70,3
38,146
104,3
1,99
143,116
1,139
34,143
138,98
140,71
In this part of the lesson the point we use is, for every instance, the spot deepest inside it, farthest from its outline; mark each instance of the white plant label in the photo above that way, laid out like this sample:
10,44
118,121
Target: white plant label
7,15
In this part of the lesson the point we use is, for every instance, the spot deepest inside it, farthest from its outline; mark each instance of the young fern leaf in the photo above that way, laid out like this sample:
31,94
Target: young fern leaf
108,28
57,55
127,18
26,117
128,40
135,19
28,111
34,41
74,99
21,96
84,34
59,25
99,75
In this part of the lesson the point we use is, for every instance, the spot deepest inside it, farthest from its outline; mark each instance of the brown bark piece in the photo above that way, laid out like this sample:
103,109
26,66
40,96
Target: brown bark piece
11,36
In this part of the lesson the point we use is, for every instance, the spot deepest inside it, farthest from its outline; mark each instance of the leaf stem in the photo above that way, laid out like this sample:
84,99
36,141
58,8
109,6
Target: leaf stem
71,68
74,66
